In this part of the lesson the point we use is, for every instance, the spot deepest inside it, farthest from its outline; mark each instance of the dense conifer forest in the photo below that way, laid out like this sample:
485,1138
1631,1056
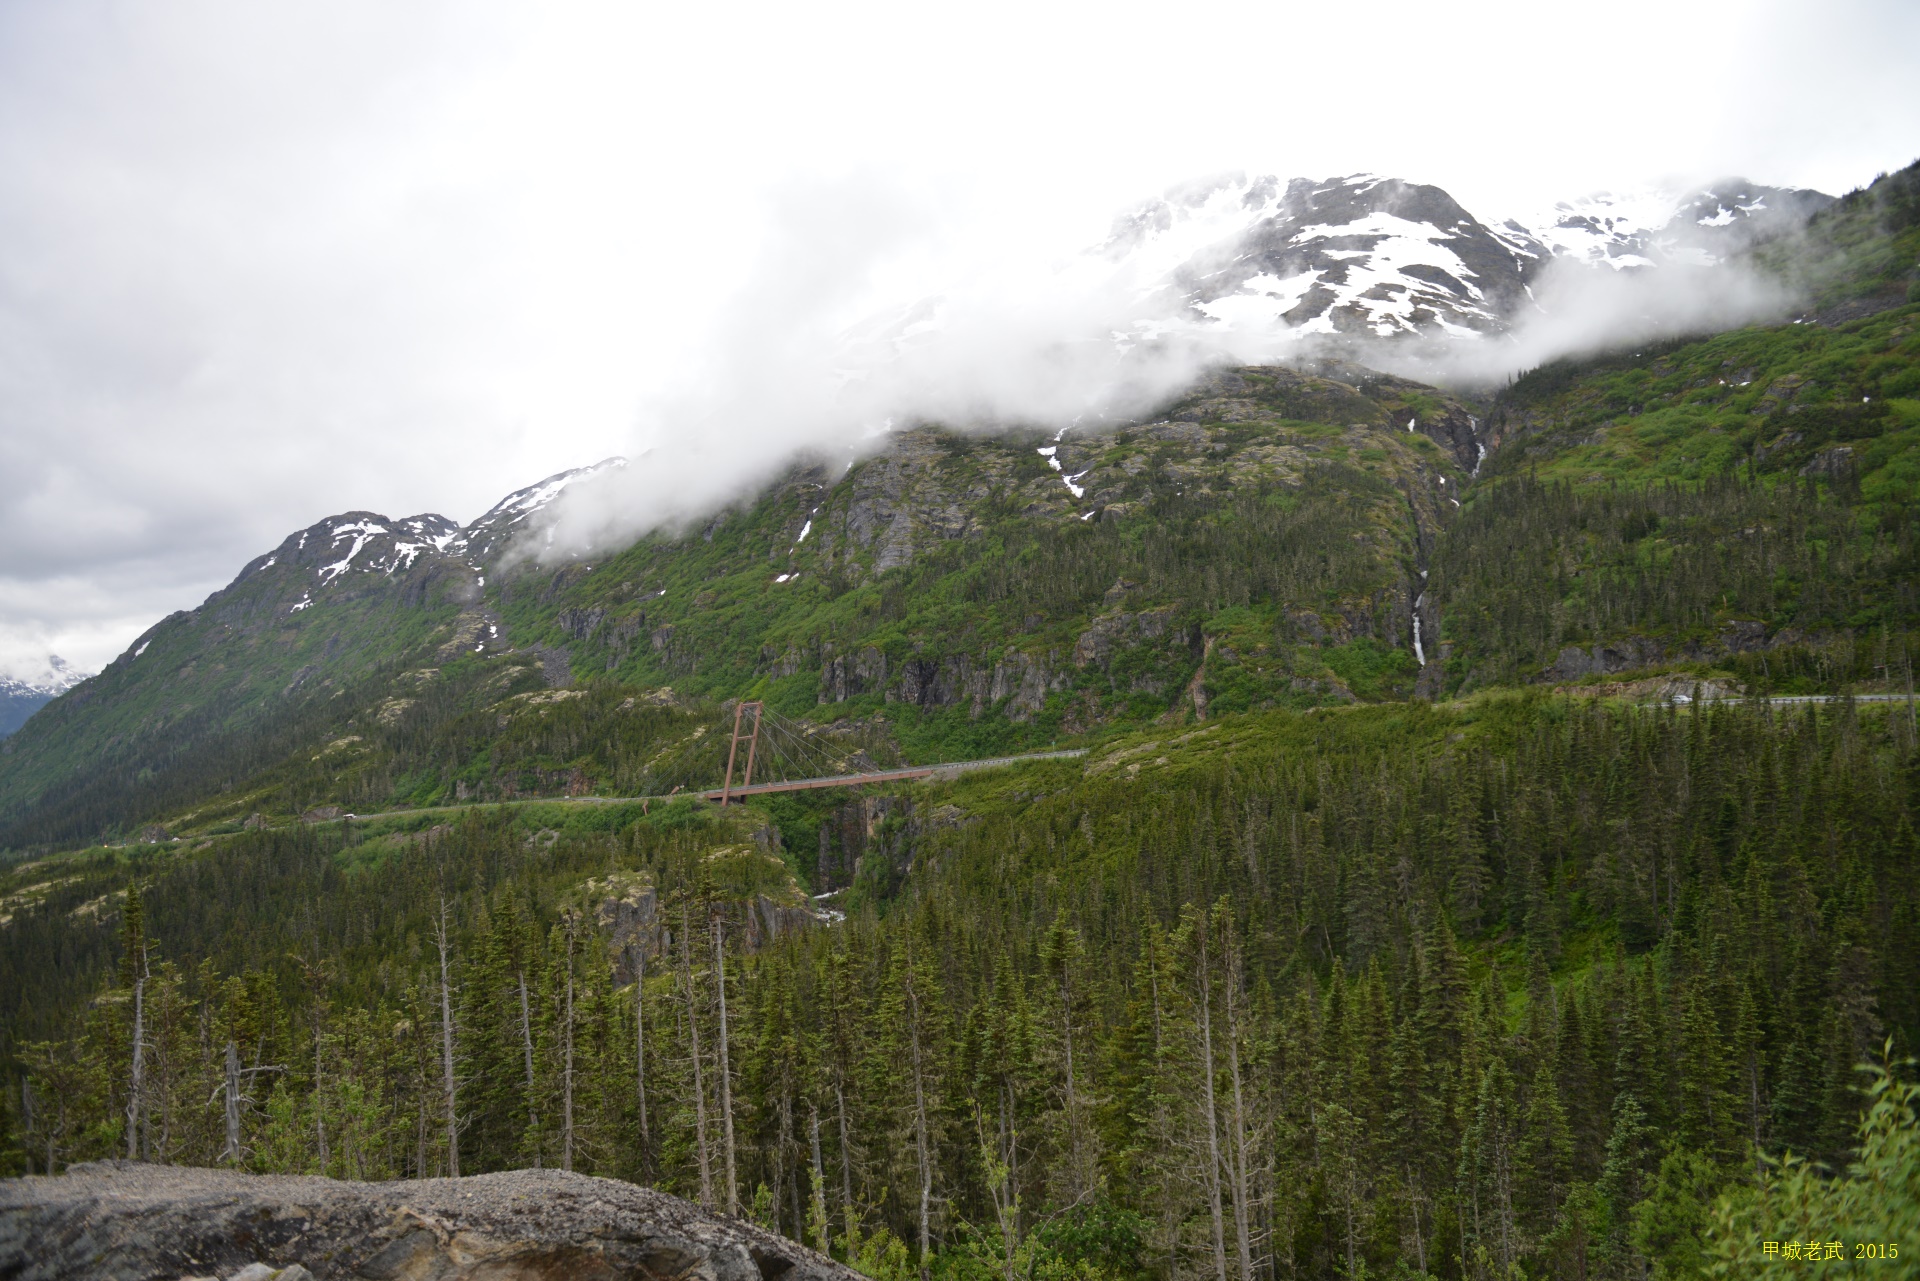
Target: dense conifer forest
1521,984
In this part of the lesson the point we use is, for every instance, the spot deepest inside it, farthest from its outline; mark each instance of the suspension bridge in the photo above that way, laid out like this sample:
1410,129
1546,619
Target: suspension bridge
799,757
793,756
768,752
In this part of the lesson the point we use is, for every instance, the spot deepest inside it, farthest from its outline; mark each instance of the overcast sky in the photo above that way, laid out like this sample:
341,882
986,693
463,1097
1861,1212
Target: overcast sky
264,263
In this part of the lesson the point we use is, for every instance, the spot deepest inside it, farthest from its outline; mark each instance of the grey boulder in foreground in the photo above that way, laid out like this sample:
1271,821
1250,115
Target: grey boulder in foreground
123,1221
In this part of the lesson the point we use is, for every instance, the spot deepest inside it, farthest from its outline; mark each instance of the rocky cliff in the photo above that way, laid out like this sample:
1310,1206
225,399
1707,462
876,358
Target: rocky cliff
122,1221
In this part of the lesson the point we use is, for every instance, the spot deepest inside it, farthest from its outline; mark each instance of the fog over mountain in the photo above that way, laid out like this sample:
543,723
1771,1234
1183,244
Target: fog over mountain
261,267
1394,275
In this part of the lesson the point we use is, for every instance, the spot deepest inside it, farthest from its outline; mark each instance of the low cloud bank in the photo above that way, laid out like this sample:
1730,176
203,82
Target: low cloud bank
818,359
1584,310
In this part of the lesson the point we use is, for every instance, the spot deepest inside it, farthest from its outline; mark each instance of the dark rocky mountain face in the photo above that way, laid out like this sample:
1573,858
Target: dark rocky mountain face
977,578
1735,214
1370,256
487,537
348,556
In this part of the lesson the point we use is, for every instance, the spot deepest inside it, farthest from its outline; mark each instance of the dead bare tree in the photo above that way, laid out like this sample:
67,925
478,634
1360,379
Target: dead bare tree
446,1045
719,930
818,1207
699,1086
134,973
846,1155
316,974
138,1075
566,1077
640,1052
26,1117
526,1046
232,1153
1209,1111
1242,1185
921,1139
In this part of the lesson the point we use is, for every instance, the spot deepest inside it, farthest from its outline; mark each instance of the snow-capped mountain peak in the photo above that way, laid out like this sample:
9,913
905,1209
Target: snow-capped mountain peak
491,532
1361,254
1377,257
1604,228
337,550
1247,265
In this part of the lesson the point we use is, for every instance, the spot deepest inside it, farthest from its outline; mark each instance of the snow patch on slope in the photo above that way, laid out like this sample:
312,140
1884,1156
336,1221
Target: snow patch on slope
1604,229
361,532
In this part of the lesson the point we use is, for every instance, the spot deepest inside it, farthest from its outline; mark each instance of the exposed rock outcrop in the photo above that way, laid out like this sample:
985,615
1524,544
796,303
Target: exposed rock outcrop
1628,653
122,1221
1835,462
626,908
1620,655
874,836
1023,679
1117,631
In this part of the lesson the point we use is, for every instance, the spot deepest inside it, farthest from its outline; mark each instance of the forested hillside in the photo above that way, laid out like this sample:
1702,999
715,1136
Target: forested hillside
986,593
1738,507
1748,499
1525,981
1445,890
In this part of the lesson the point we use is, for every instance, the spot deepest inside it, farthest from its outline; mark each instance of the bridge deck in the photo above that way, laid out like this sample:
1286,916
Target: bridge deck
950,769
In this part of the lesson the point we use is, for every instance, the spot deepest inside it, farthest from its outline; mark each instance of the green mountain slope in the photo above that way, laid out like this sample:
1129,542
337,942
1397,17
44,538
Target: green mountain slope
962,580
1733,508
1742,504
1259,546
237,683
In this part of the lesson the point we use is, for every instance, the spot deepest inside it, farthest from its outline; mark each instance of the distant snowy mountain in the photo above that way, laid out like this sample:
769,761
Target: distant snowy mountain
348,555
1358,255
1377,257
21,697
1244,261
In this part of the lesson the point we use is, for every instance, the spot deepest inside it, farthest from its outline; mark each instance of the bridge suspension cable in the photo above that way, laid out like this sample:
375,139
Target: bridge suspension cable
781,750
